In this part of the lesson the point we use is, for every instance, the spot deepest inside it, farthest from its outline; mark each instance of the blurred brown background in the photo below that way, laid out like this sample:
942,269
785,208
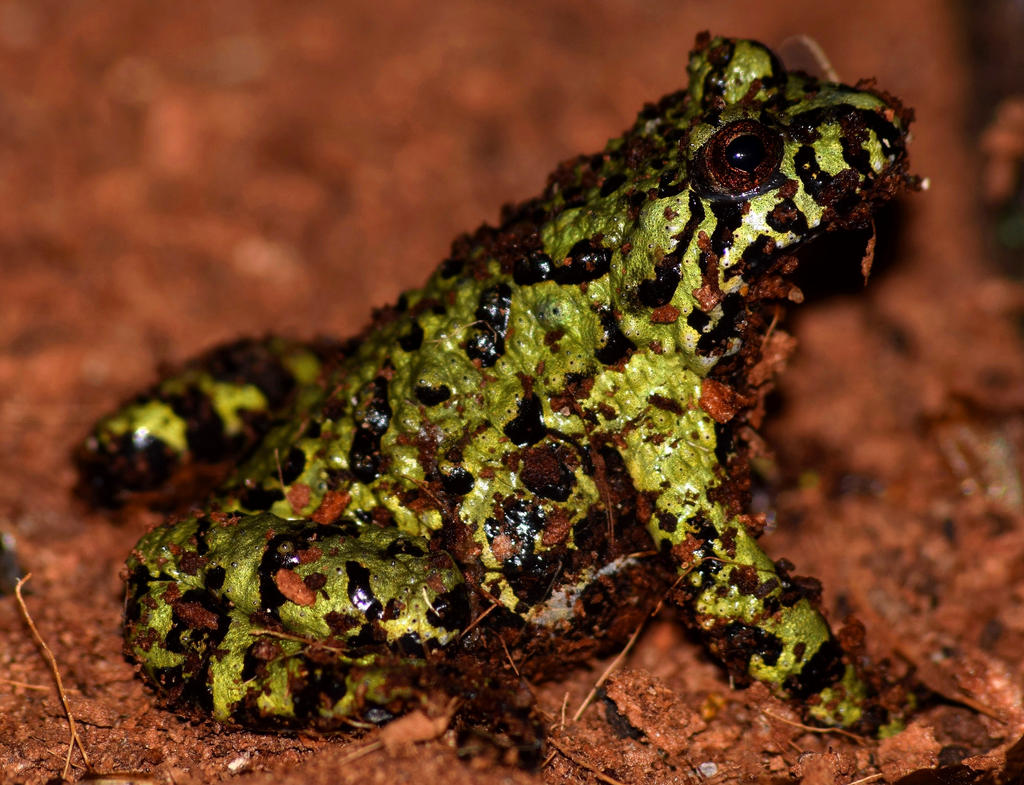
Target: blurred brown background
173,174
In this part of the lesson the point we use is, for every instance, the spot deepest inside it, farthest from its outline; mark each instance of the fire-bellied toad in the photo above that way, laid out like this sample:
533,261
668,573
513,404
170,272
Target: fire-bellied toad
519,459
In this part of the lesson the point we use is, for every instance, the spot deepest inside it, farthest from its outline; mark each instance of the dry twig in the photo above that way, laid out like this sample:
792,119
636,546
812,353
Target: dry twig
74,739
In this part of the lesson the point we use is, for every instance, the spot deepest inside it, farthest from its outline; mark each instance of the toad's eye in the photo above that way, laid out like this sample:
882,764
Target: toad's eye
746,153
741,160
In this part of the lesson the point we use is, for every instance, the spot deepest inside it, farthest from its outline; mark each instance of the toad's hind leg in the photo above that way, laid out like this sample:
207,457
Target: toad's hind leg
209,412
278,624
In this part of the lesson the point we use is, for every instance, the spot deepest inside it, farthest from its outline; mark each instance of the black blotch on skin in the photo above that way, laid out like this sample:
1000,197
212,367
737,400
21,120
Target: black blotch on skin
359,592
729,218
805,127
432,396
533,268
532,581
528,573
251,663
673,136
457,481
403,545
741,641
787,217
724,435
757,257
695,206
667,185
666,521
137,462
854,124
486,341
259,498
293,465
843,193
193,689
707,566
203,523
636,201
201,640
450,609
451,267
410,645
365,640
587,261
521,522
715,81
251,361
589,535
204,429
856,156
280,552
575,196
527,427
323,684
698,320
716,340
413,339
659,291
616,346
214,578
612,183
133,461
814,179
364,456
822,670
703,530
889,135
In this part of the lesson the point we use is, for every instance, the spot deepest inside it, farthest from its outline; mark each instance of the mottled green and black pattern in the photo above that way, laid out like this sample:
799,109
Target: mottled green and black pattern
525,454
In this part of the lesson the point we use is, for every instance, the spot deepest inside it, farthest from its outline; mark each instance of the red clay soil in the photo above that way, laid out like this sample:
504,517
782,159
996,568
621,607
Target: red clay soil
175,174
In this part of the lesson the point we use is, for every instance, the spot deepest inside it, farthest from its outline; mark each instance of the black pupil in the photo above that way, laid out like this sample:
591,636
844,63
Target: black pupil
746,152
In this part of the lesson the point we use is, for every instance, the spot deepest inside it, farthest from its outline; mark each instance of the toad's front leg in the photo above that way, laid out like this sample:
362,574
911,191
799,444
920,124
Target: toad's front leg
756,620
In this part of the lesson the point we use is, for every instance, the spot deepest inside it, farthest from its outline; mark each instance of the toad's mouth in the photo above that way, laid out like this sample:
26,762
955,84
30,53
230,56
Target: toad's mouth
840,260
857,237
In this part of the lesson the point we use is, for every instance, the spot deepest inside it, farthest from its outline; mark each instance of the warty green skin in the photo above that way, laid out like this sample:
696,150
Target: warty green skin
553,425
